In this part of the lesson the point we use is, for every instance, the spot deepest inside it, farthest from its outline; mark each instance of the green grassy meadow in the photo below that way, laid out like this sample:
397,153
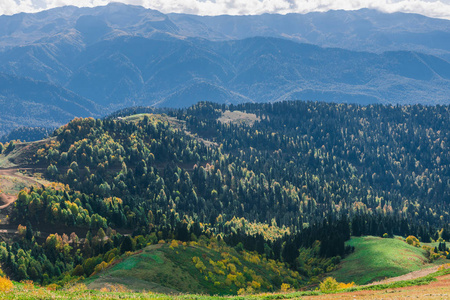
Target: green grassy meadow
191,268
148,270
377,258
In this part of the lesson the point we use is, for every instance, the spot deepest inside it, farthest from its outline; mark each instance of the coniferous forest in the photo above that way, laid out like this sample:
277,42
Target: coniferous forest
291,181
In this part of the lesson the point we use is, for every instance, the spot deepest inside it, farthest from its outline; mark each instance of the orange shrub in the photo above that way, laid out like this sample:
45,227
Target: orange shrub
28,285
344,286
444,267
5,284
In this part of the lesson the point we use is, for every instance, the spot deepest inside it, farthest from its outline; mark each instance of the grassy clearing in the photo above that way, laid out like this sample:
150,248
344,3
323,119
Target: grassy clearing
14,172
157,268
403,283
14,182
238,118
144,271
169,273
139,117
377,258
192,268
155,118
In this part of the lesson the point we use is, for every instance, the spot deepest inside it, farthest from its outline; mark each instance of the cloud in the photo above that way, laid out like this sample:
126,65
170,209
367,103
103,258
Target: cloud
431,8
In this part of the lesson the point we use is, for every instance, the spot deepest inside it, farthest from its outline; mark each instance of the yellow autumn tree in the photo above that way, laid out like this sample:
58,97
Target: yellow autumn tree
329,285
413,241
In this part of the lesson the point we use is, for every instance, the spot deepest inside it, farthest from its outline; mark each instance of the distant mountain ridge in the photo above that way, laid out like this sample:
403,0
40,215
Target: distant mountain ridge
126,71
361,30
105,58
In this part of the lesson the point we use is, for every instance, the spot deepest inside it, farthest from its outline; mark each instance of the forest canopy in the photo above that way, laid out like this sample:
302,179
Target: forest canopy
287,180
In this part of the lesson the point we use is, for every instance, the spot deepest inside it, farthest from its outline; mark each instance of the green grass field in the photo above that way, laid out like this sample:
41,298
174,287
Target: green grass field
377,258
162,269
417,288
149,270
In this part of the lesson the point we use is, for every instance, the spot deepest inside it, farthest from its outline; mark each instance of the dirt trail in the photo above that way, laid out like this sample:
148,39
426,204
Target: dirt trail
6,200
409,276
439,289
15,172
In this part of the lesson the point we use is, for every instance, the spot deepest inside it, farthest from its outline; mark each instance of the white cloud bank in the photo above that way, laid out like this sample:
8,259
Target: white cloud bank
431,8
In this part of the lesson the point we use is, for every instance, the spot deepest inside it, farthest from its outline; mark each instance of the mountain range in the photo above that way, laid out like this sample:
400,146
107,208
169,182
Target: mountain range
69,61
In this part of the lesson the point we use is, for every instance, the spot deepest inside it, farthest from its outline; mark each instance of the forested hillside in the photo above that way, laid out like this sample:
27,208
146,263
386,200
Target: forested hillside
296,159
289,180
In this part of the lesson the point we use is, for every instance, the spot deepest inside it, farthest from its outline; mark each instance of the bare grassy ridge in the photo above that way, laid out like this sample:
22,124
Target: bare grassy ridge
22,154
12,181
16,173
174,123
238,118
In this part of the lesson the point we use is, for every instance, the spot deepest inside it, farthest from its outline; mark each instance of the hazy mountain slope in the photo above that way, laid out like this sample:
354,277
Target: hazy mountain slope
362,30
27,134
35,103
43,61
138,71
120,55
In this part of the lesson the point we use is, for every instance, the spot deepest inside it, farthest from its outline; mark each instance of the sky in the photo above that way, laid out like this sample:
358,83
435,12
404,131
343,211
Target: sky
431,8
